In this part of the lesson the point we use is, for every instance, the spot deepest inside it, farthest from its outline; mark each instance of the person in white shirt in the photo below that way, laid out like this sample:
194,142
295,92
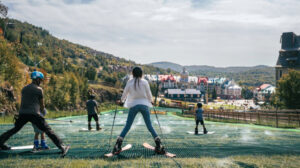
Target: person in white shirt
138,98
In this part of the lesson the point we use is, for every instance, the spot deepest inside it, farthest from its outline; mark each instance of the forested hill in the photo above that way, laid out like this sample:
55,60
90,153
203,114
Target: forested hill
248,76
60,55
71,69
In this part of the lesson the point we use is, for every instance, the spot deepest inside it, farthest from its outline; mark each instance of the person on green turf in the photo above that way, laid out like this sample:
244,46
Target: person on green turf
43,145
32,104
138,98
199,118
92,109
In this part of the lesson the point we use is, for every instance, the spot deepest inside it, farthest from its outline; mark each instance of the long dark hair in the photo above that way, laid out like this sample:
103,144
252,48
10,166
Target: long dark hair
137,73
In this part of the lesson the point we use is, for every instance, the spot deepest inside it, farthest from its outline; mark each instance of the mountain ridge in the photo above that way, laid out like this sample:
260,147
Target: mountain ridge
250,76
178,67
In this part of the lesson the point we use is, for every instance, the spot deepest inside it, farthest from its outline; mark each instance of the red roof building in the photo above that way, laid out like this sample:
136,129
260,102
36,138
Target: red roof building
164,78
263,86
168,81
203,80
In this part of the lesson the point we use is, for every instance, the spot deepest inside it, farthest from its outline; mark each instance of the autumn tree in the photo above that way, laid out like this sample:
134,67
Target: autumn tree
9,68
288,90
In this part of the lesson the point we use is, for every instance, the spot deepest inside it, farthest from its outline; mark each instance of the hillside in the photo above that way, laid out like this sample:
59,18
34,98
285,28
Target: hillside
59,54
248,76
168,65
69,67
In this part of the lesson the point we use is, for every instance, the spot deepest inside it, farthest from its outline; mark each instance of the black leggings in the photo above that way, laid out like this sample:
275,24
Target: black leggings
35,119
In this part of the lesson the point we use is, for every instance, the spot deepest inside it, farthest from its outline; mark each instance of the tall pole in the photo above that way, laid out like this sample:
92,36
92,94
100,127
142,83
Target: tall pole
35,58
157,87
184,86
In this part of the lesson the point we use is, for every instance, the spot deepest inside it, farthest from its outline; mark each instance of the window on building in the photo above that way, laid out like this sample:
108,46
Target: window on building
280,73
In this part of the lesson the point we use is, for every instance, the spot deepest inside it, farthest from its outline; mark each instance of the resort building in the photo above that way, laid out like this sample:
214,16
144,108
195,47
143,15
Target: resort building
263,92
289,54
230,90
168,82
184,76
191,95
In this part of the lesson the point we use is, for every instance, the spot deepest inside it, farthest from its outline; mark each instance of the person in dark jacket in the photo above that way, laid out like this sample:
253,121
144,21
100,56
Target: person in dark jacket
92,109
32,104
199,118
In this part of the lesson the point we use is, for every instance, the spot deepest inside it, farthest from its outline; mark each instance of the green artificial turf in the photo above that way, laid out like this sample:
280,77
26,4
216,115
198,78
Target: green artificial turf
232,145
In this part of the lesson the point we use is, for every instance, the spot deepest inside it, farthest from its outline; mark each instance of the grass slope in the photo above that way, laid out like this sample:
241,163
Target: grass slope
246,161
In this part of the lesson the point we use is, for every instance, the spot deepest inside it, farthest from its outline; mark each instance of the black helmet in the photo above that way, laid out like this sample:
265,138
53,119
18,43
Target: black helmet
92,96
199,105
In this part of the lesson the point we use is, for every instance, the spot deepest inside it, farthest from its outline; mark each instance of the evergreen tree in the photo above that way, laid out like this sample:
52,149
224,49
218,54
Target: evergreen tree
91,73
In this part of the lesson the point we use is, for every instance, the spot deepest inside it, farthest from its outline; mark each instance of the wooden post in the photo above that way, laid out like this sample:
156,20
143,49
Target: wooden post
298,118
276,118
289,122
258,117
208,114
245,114
227,114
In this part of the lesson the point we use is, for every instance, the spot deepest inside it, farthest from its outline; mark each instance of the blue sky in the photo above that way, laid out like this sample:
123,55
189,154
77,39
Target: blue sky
188,32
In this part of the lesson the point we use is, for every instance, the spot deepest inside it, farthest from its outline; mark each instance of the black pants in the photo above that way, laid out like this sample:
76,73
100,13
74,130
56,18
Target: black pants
201,122
36,119
95,116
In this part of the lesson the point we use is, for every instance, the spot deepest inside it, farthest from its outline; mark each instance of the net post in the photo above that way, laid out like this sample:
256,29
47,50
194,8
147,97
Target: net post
258,117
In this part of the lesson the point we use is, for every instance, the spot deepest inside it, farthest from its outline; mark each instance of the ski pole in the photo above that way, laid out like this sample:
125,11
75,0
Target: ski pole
155,100
112,127
52,119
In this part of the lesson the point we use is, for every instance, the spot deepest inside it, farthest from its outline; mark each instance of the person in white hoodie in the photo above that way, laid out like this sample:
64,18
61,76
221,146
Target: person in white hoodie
138,98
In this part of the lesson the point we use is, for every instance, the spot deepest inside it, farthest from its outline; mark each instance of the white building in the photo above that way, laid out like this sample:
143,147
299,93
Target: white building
263,91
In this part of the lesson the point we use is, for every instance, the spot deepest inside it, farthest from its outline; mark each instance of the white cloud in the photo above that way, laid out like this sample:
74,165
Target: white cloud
219,32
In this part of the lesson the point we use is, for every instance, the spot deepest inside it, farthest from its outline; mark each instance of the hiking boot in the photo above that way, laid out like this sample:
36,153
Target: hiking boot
5,147
205,131
196,131
89,127
118,146
159,149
